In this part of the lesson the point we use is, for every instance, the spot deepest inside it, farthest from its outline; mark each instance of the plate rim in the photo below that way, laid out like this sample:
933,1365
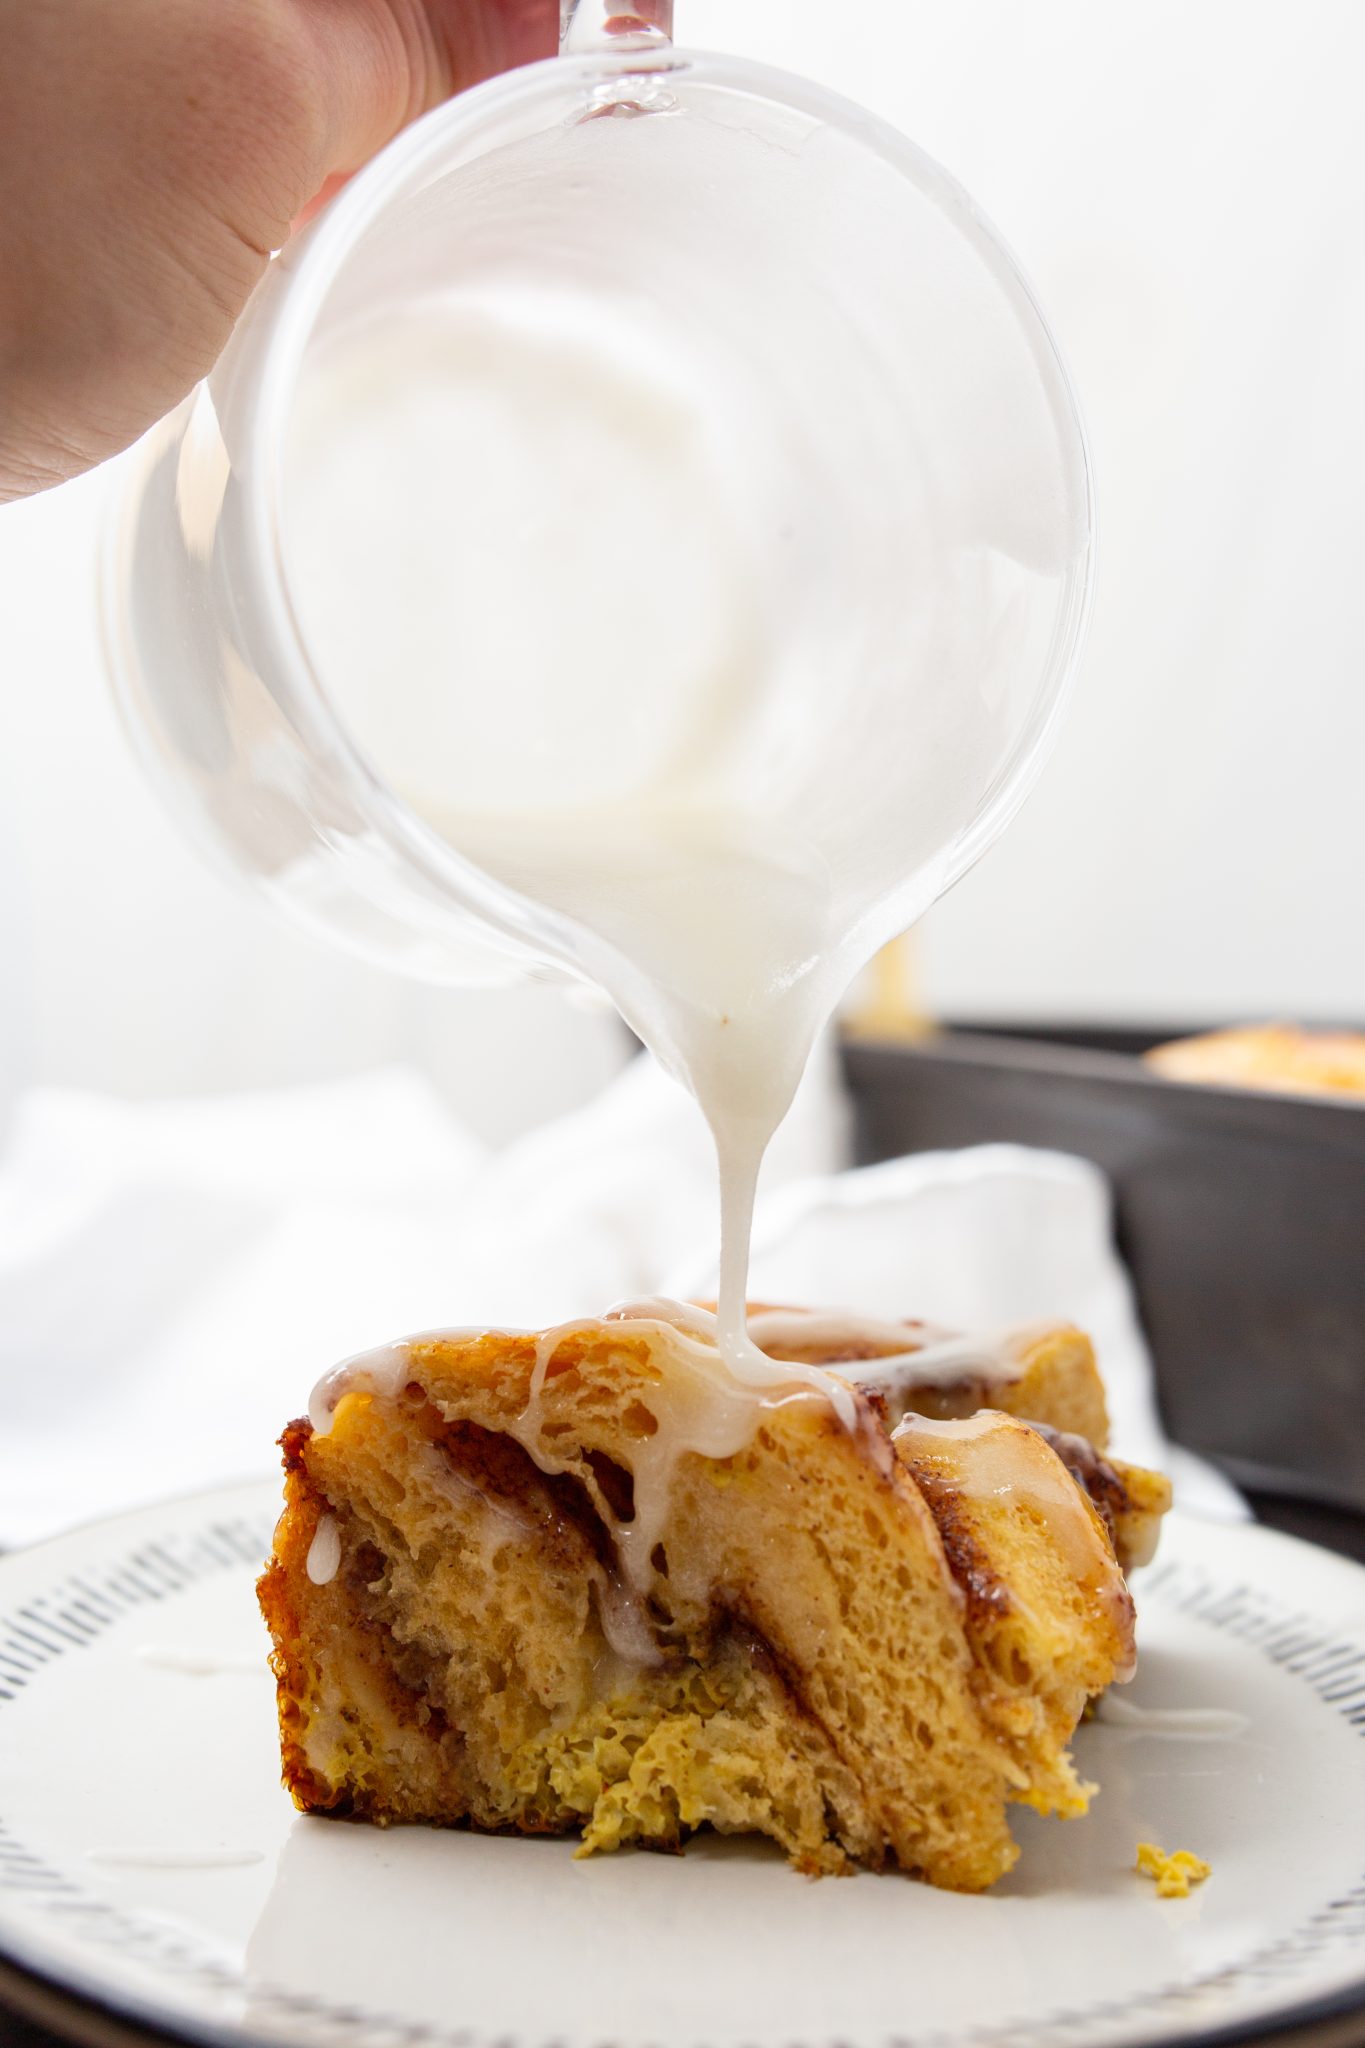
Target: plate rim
87,2009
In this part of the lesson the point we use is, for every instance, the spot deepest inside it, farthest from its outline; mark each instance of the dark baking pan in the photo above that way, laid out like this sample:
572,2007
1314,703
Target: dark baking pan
1241,1217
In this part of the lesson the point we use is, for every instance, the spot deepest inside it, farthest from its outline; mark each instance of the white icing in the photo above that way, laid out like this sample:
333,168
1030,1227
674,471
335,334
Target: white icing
547,1344
706,1401
994,1457
744,1361
630,1634
910,1354
907,1354
175,1859
383,1371
954,1363
201,1663
372,1372
324,1552
832,1328
1204,1724
703,1403
989,1456
497,1522
709,1401
505,1513
688,1316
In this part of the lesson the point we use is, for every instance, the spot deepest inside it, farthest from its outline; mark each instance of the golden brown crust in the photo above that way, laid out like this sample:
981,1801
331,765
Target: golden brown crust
277,1590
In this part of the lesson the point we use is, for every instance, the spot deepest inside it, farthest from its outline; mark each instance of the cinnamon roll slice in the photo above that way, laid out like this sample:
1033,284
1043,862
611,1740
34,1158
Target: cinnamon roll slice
603,1581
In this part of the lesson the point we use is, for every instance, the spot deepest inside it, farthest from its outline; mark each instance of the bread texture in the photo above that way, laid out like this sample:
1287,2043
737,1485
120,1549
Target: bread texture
593,1581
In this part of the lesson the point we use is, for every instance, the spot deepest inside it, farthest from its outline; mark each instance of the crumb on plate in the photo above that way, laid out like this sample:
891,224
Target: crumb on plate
1174,1874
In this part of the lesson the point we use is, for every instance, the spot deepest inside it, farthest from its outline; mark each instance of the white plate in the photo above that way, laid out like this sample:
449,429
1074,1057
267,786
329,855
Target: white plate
150,1862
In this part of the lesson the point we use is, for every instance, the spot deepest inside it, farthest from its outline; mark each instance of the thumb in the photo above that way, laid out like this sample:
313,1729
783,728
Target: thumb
153,154
377,64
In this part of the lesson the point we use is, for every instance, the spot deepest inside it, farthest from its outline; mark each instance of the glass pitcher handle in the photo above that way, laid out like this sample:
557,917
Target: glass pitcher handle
586,25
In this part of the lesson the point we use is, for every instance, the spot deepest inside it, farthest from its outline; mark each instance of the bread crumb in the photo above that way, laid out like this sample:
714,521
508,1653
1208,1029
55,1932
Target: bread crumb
1175,1873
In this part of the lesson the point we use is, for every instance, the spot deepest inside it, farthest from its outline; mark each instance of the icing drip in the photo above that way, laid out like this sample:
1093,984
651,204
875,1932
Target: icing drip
371,1372
955,1362
382,1371
499,1523
703,1403
903,1354
991,1457
202,1663
630,1634
983,1457
1201,1724
687,1316
547,1344
324,1552
890,1357
176,1859
700,1404
745,1363
839,1330
869,1349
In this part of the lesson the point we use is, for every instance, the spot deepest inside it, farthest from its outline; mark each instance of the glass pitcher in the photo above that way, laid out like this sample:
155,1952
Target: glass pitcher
864,593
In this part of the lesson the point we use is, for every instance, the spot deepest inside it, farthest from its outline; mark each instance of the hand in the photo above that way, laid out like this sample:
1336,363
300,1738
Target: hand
152,155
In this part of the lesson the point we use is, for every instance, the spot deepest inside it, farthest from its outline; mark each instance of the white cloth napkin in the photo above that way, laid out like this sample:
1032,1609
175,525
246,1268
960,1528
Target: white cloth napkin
174,1276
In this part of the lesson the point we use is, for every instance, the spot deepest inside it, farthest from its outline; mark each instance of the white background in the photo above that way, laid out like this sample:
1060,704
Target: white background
1185,181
